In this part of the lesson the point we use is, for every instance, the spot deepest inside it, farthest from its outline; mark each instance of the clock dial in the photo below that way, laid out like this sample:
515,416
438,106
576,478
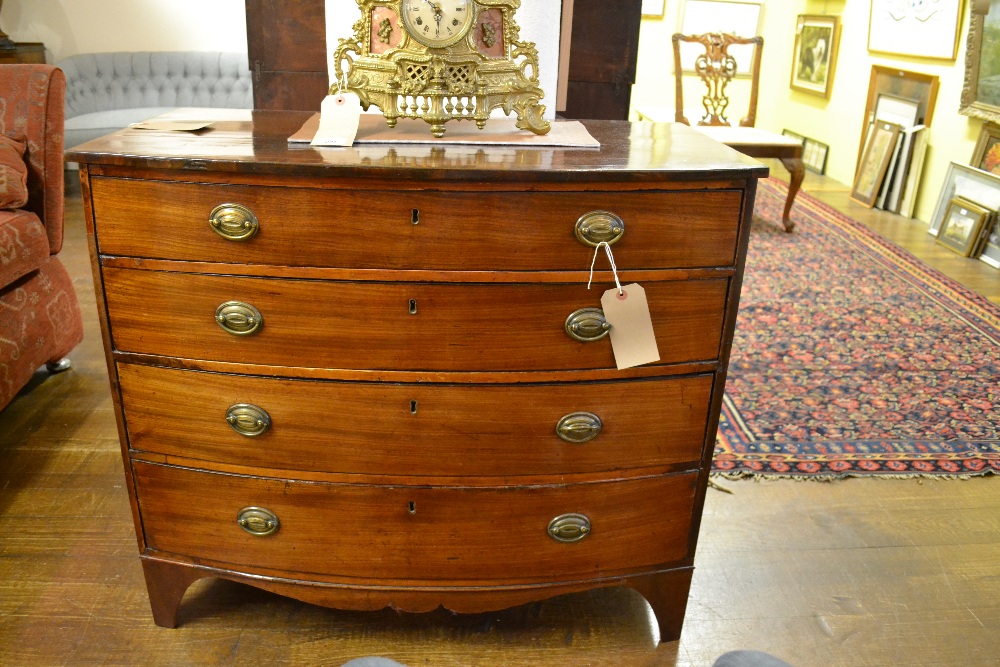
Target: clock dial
437,23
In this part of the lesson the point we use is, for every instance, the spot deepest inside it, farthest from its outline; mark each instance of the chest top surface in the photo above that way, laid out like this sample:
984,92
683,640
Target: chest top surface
244,142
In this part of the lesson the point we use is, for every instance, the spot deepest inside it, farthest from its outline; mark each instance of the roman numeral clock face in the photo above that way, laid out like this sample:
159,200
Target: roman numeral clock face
437,23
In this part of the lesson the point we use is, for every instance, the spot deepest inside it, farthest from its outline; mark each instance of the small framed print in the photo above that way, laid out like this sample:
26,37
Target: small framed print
963,222
874,163
814,59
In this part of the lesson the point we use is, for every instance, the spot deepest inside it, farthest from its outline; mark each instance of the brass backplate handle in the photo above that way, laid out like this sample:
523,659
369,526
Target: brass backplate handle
234,222
587,325
248,419
599,226
569,527
579,427
239,318
258,521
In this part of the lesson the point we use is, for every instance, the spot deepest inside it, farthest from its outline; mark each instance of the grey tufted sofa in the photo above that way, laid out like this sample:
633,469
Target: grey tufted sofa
108,91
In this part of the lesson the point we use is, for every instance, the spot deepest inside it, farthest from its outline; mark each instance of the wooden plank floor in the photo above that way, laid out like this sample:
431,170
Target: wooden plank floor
859,572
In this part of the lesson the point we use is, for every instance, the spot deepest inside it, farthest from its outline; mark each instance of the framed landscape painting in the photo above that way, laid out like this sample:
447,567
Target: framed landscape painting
963,221
815,56
981,90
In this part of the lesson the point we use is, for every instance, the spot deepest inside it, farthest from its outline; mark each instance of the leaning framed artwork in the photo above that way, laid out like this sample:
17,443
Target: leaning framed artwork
962,224
874,163
814,59
921,88
922,29
969,183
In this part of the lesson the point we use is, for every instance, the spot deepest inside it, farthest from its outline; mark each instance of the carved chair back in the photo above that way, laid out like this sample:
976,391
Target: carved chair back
717,67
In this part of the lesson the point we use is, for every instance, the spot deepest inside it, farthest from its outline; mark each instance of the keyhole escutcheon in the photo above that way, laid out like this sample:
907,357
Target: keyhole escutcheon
413,306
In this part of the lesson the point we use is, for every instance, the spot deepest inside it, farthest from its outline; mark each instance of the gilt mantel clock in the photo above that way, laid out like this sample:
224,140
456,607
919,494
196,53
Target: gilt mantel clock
442,60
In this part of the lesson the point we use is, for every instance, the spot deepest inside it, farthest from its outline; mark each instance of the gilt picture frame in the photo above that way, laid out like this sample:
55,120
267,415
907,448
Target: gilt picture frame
967,182
981,88
986,155
814,58
962,225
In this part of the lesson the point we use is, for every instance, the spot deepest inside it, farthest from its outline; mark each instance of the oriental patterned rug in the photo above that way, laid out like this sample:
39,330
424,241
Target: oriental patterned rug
854,358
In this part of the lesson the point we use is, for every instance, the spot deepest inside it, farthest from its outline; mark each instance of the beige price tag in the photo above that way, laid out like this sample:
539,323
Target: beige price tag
339,118
632,337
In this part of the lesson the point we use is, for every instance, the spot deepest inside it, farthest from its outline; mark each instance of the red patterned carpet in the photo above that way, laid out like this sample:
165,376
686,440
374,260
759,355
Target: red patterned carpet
852,357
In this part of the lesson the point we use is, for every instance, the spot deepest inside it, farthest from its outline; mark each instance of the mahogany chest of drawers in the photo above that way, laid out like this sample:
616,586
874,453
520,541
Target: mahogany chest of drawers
351,375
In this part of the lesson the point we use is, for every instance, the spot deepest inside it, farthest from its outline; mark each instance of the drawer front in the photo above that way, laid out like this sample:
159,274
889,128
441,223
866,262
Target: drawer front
415,429
369,229
396,326
420,533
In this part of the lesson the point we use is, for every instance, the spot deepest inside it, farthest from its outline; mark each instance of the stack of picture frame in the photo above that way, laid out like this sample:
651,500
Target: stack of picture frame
891,156
965,218
965,226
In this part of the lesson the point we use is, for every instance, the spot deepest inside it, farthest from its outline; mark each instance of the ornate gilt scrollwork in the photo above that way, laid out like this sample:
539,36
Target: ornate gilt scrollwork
486,70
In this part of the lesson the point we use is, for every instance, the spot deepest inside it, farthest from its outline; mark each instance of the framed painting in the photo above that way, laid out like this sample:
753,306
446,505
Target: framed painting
981,90
921,29
963,221
919,88
986,155
653,9
875,162
814,58
736,18
968,183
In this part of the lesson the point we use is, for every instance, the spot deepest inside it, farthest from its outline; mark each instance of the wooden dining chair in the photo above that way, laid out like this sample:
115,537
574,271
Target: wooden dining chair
717,68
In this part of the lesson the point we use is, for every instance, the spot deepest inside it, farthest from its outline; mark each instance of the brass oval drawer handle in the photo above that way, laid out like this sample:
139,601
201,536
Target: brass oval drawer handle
234,222
569,527
599,226
579,427
258,521
238,318
248,419
587,325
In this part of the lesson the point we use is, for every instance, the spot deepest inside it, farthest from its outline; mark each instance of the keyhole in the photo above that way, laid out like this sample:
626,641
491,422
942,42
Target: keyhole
413,407
413,306
411,507
415,216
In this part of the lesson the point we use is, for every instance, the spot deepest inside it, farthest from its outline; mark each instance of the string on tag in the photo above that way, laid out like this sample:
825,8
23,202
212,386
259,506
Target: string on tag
611,258
342,82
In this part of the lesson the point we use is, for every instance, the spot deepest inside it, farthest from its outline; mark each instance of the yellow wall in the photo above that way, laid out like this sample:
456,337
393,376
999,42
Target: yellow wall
69,27
837,121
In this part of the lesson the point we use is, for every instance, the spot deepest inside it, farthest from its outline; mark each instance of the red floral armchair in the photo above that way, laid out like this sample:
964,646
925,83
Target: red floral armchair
39,313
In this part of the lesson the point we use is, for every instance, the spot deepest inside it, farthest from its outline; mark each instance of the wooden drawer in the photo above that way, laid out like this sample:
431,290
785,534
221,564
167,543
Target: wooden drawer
347,325
414,429
419,532
456,230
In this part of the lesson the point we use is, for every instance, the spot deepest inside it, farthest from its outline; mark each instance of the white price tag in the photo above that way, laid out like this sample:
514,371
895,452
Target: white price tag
632,338
340,116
